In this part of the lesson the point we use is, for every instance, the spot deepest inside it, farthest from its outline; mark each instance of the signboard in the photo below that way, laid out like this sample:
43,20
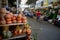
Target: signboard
45,3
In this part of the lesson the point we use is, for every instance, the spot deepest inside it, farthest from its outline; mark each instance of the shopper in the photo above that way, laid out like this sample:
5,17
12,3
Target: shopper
58,19
38,13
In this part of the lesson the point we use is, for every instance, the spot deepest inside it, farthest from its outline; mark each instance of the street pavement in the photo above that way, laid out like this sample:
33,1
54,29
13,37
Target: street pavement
44,30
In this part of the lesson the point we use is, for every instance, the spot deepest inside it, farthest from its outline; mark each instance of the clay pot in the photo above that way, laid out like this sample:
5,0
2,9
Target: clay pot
8,22
17,31
24,19
24,30
28,31
3,11
11,14
19,21
14,21
9,19
2,22
14,18
7,16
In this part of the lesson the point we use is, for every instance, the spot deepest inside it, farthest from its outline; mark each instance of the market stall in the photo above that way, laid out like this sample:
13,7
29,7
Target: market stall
13,26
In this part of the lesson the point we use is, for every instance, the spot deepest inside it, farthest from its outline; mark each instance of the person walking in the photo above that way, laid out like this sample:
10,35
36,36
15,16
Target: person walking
38,13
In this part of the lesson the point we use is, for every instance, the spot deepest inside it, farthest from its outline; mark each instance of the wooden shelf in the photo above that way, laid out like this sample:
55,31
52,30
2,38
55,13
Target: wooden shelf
13,24
16,37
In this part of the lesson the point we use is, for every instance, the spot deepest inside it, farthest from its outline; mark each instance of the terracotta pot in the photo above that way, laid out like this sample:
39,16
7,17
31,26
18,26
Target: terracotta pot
14,21
24,30
7,16
24,21
8,22
14,18
19,21
11,14
9,19
3,22
17,32
28,31
3,11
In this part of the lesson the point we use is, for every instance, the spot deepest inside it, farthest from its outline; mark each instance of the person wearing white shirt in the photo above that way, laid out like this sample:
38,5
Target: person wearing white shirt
58,16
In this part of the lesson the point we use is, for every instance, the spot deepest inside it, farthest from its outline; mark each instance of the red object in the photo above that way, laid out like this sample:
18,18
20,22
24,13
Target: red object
14,18
17,32
24,19
7,16
9,19
38,13
8,22
28,31
14,21
24,30
19,21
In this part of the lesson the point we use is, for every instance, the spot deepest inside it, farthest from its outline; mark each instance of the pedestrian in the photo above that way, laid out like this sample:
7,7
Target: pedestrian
38,13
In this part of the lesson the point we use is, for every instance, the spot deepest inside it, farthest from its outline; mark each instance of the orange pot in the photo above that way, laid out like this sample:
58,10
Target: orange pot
14,21
24,30
9,22
7,16
28,31
19,15
3,22
18,18
14,18
17,32
11,14
19,21
24,21
8,19
20,31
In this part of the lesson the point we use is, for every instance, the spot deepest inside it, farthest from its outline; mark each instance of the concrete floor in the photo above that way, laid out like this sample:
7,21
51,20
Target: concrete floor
44,30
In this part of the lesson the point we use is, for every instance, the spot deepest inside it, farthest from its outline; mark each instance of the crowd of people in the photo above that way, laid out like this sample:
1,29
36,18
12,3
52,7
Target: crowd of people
50,14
